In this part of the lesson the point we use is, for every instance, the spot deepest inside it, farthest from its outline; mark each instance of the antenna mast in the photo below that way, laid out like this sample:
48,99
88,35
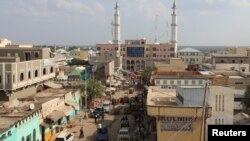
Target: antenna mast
156,20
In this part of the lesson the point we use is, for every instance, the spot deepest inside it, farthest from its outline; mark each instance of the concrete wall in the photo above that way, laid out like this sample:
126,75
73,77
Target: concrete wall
222,101
25,128
11,73
175,111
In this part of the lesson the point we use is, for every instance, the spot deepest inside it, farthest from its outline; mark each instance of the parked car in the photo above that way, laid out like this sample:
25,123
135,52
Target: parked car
65,136
102,134
123,135
107,106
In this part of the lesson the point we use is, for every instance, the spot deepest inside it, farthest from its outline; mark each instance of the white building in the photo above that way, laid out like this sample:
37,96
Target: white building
191,56
230,62
220,98
174,79
4,42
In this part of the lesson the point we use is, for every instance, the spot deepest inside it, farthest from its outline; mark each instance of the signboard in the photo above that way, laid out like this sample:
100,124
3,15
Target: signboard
173,123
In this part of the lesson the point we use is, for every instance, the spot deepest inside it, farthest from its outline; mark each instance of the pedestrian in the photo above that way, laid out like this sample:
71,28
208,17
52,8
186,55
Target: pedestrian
81,133
102,117
95,118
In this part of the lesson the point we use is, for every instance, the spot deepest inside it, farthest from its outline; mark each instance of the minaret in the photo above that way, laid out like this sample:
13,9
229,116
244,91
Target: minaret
116,25
174,28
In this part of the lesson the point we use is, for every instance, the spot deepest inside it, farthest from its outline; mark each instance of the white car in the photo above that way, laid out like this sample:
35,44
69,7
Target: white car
123,134
65,136
107,106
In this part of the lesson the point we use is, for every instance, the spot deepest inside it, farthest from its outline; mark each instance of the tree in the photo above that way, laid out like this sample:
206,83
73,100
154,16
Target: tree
146,74
78,62
246,100
95,89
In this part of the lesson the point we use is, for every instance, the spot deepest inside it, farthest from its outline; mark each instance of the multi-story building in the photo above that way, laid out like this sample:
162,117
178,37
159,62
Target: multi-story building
38,117
230,62
23,66
220,98
173,79
238,50
191,56
137,54
174,120
79,54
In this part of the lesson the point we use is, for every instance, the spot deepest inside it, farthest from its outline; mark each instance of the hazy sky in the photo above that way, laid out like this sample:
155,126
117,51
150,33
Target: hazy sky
81,22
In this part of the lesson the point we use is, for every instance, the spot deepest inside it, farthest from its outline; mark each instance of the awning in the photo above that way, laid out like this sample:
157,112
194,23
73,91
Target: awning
53,85
73,104
67,110
56,115
44,124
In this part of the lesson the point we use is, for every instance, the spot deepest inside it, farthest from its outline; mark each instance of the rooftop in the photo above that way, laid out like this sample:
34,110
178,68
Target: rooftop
158,96
9,115
188,50
229,55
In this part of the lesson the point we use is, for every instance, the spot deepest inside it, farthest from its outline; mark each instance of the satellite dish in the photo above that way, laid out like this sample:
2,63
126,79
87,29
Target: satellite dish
15,103
32,106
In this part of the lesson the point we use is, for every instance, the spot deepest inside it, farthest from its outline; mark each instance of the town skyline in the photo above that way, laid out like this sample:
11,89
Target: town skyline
208,22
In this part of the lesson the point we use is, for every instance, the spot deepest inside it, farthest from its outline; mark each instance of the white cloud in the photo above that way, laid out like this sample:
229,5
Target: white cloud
151,8
241,3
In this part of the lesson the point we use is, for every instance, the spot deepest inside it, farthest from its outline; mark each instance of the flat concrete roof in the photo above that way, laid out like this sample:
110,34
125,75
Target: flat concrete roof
10,115
158,96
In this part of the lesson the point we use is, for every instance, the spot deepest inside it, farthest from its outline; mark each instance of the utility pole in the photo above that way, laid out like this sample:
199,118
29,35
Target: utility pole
203,125
86,101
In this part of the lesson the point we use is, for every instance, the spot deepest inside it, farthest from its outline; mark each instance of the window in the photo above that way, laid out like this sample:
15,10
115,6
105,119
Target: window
36,55
164,56
34,134
146,49
36,73
172,49
232,68
171,81
179,82
21,77
241,61
29,75
110,55
68,136
222,61
222,103
233,61
124,49
154,49
158,82
165,82
51,69
243,69
219,103
186,82
8,78
216,103
98,48
200,82
193,82
154,55
44,71
116,48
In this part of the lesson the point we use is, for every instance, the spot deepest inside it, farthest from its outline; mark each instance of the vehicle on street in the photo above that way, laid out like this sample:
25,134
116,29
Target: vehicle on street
65,136
123,135
107,106
98,111
102,134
